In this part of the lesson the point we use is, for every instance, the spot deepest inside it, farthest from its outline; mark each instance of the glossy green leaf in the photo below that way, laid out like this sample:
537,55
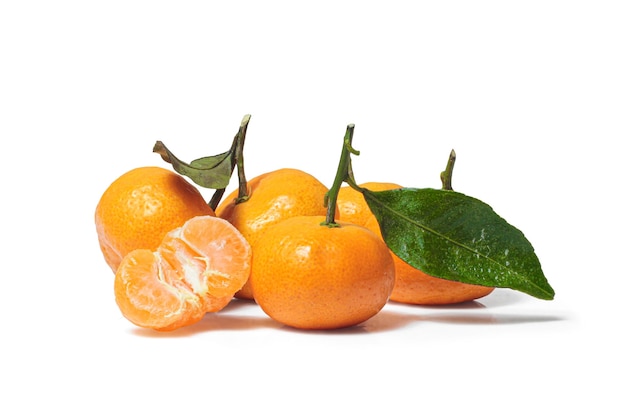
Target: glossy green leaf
449,235
209,172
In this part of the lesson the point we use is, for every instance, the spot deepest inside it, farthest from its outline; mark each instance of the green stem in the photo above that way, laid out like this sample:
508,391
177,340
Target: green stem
236,149
243,183
446,176
216,198
344,173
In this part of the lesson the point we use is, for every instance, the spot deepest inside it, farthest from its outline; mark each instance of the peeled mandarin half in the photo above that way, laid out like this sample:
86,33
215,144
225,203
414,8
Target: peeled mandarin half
145,297
197,269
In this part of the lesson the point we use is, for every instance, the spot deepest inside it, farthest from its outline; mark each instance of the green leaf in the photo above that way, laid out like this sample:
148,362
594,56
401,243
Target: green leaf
210,172
449,235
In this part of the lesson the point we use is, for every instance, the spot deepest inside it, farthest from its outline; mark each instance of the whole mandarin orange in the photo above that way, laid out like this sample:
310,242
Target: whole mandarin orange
311,276
140,207
273,197
413,286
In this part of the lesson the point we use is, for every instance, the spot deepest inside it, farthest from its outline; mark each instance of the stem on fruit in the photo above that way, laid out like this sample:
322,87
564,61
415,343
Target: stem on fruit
216,198
236,152
344,173
243,183
446,176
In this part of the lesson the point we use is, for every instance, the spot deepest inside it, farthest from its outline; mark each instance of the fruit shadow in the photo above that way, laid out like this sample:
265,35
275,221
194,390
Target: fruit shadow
393,320
226,319
467,313
233,318
477,312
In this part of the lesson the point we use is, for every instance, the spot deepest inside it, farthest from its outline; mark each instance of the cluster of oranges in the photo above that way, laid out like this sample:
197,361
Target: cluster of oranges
176,259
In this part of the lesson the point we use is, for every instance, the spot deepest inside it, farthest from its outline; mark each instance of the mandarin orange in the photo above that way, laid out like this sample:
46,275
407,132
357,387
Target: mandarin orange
195,270
351,203
310,276
273,196
415,287
412,286
140,207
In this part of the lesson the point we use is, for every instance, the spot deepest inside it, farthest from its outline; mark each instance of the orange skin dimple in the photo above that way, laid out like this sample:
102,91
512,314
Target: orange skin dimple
310,276
140,207
273,197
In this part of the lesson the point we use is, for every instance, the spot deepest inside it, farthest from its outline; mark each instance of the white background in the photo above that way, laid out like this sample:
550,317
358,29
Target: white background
531,95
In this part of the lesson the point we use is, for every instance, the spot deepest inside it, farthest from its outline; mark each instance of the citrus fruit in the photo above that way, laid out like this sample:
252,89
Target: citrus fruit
195,270
412,286
140,207
311,276
415,287
273,197
351,204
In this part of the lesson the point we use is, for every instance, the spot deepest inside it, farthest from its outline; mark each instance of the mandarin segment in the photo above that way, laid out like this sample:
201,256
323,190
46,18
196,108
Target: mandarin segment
214,255
310,276
186,277
143,294
273,197
140,207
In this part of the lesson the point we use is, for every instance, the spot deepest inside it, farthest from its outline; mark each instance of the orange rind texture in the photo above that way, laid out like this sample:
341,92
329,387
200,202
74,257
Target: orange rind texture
140,207
351,204
310,276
